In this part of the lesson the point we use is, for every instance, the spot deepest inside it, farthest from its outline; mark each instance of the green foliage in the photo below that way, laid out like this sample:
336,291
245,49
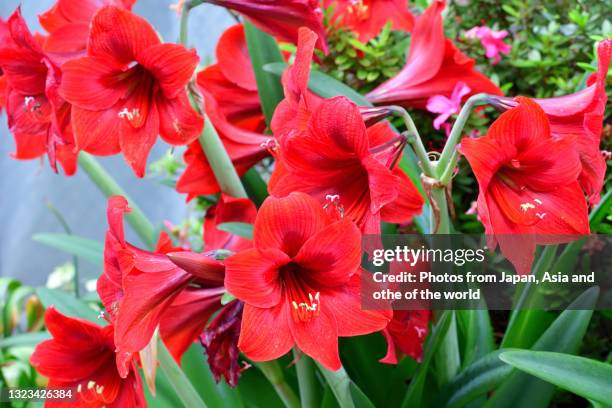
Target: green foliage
364,66
552,42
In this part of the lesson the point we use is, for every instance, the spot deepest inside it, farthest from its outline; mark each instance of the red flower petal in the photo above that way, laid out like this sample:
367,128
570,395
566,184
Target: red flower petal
264,333
233,58
286,223
331,256
137,142
92,83
179,122
351,319
119,36
97,132
318,337
252,275
184,320
172,65
409,201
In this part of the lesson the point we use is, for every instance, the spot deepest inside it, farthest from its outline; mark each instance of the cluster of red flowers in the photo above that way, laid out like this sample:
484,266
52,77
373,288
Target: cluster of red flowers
102,82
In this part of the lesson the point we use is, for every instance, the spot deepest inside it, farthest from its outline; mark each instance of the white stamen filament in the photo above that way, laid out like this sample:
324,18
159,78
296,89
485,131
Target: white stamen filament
130,115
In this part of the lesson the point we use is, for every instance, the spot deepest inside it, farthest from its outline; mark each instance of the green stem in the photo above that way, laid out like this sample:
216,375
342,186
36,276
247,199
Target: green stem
184,24
220,162
455,135
439,196
340,384
211,143
309,389
272,371
447,174
136,218
415,140
181,384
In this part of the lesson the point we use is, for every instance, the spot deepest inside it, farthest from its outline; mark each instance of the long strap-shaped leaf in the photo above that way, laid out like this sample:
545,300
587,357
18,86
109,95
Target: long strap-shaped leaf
488,372
588,378
263,50
563,336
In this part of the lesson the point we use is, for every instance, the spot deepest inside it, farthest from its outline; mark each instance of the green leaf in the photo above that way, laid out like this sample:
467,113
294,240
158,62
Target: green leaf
489,372
87,249
359,398
588,378
176,377
323,85
242,229
475,325
264,50
476,380
196,368
564,336
415,390
256,187
68,305
25,339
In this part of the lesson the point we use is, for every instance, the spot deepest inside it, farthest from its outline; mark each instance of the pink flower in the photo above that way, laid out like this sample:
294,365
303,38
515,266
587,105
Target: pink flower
492,41
446,107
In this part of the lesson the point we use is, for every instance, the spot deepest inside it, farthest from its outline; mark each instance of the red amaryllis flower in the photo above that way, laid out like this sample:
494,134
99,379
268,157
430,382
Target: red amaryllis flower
300,283
138,287
338,159
405,334
4,38
580,115
281,18
366,18
67,23
220,336
292,113
129,88
2,91
528,183
433,67
220,340
81,356
38,118
232,104
228,209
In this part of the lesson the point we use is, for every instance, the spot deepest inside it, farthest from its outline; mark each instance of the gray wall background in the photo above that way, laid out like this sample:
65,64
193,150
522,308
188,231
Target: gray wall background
26,187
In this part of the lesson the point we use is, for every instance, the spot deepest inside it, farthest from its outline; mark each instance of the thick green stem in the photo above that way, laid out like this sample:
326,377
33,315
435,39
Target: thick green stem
340,384
136,218
442,221
220,162
272,371
455,135
309,388
447,174
415,140
211,143
181,384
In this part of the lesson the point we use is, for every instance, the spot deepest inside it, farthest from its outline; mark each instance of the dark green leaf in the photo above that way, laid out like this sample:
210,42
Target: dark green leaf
264,50
196,368
359,398
488,372
415,390
323,85
588,378
564,336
